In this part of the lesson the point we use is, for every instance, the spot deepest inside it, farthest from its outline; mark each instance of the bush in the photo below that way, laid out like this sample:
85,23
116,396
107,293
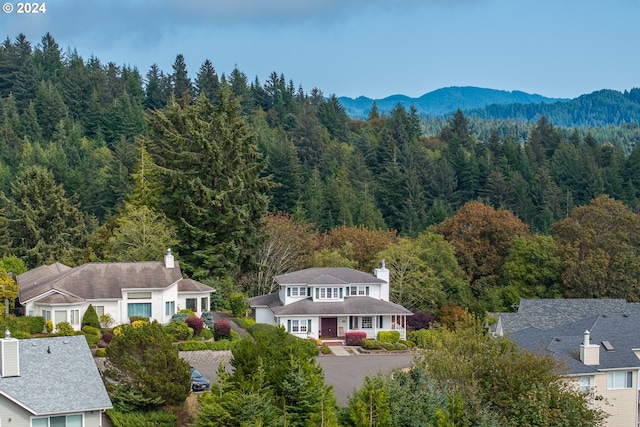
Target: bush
196,324
372,344
179,330
92,340
389,336
325,349
221,329
65,329
259,328
423,338
142,419
101,344
101,352
106,320
207,318
219,345
238,303
49,326
107,337
400,346
354,338
31,324
187,311
408,344
206,334
234,336
420,320
192,346
21,335
244,322
90,330
179,317
133,319
90,318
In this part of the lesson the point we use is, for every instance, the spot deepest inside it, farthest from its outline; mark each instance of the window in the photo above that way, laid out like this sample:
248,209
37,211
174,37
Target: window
204,303
294,291
60,421
329,293
139,295
192,303
620,379
142,309
59,316
99,310
299,326
46,315
367,322
169,308
75,317
585,384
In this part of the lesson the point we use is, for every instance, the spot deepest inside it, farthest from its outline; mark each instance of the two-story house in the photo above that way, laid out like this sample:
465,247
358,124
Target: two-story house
326,303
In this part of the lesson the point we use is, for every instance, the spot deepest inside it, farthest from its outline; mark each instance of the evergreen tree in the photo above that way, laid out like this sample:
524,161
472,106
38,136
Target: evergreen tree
90,318
180,80
211,181
207,82
157,89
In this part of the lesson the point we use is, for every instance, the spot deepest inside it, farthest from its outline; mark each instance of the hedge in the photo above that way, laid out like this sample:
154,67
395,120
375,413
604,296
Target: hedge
389,336
192,346
355,338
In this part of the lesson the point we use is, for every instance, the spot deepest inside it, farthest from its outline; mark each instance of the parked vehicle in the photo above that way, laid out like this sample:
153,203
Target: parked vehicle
198,381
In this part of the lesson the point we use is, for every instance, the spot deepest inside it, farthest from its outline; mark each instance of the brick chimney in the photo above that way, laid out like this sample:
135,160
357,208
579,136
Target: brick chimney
589,353
9,356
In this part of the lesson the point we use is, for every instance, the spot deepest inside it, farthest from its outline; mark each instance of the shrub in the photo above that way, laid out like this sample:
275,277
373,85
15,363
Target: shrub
354,338
238,304
423,338
400,346
30,324
196,324
219,345
49,326
101,344
101,352
234,336
325,349
192,346
179,330
142,419
65,329
106,320
92,340
221,329
179,317
206,334
107,337
408,344
133,319
389,336
259,328
372,344
90,330
207,318
139,323
187,311
90,318
21,335
420,320
244,322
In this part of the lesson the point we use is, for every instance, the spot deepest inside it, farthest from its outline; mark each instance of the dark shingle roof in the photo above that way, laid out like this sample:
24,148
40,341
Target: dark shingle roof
268,300
66,379
360,305
621,330
190,285
328,276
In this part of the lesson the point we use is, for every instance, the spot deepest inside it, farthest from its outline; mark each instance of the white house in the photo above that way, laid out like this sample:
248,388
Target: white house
50,382
326,303
151,289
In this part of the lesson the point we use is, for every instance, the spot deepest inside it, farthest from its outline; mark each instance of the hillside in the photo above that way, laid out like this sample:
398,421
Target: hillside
442,101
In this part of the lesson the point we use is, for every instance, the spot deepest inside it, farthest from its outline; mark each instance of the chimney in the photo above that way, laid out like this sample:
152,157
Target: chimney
383,274
9,356
589,353
169,261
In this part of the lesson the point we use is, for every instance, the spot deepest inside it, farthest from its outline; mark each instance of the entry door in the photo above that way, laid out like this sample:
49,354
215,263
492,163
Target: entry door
329,327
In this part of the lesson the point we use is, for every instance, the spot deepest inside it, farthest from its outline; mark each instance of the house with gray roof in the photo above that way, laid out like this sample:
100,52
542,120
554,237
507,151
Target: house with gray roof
50,381
154,289
326,303
598,355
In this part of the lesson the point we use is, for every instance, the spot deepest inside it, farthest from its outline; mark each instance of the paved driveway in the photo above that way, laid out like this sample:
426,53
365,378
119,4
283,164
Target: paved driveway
345,373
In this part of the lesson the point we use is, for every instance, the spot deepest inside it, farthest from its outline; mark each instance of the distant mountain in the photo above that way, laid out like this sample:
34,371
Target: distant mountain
443,101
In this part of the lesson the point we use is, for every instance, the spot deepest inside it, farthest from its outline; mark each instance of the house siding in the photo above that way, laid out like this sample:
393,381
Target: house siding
22,418
620,404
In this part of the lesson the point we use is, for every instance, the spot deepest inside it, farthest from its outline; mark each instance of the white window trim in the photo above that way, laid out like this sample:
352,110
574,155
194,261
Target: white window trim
369,320
613,380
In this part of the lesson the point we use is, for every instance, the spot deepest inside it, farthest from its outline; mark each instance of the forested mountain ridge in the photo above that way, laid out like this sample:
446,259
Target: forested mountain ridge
443,101
91,153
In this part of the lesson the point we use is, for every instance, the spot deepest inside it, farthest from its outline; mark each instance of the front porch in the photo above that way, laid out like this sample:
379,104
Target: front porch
335,328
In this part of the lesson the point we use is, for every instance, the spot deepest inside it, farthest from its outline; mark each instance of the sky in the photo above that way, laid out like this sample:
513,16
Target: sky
373,48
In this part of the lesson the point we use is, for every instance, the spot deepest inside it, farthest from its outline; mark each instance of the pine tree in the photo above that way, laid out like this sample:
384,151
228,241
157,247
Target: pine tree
207,82
180,81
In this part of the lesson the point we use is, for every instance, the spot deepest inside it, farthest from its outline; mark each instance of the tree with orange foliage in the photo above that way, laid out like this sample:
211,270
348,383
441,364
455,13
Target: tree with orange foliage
482,236
359,244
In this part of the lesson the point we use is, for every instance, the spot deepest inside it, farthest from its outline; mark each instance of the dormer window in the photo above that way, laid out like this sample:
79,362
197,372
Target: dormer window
328,293
297,291
358,290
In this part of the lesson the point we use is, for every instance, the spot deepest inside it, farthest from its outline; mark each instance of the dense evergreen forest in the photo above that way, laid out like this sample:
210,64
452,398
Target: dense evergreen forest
88,149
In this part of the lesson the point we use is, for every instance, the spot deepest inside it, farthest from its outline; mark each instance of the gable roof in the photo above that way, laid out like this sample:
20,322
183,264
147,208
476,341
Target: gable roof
619,329
190,285
551,313
96,280
328,276
353,306
52,382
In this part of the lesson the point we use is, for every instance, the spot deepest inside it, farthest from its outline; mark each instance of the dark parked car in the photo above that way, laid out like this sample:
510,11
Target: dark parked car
198,381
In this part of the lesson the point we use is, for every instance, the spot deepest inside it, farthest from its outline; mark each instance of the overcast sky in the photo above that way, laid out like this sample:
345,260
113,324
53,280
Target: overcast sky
375,48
